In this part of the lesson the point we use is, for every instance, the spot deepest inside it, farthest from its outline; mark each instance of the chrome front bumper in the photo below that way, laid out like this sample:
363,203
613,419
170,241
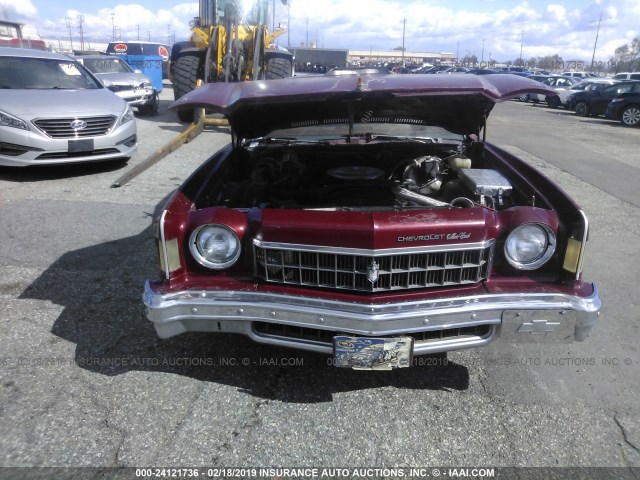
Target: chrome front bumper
518,318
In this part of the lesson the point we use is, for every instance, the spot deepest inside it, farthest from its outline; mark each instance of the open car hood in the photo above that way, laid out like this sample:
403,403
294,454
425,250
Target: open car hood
457,103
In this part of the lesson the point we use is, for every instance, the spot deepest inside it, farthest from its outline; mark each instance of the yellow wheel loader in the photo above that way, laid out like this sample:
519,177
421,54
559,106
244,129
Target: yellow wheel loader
229,43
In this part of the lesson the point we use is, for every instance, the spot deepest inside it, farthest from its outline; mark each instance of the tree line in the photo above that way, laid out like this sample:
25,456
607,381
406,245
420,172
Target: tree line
626,58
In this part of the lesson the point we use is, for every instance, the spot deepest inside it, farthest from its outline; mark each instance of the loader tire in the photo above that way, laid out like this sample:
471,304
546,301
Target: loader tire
278,67
185,74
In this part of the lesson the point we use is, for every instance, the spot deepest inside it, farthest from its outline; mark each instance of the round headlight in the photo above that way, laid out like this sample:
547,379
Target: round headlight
530,246
215,246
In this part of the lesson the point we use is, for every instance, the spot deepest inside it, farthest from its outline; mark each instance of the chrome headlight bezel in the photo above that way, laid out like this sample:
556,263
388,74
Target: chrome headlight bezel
8,120
546,250
195,246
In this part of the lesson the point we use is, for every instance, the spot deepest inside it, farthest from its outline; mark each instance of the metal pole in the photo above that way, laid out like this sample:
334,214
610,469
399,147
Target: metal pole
593,57
70,36
404,22
289,23
80,29
521,42
113,27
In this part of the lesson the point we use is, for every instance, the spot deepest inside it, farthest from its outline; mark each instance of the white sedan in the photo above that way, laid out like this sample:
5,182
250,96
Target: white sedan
52,110
559,84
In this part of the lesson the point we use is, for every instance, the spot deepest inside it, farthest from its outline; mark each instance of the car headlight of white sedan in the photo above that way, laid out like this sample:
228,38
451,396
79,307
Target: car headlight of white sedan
7,120
127,115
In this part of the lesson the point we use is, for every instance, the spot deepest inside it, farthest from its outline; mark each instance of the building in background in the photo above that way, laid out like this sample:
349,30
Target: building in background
11,35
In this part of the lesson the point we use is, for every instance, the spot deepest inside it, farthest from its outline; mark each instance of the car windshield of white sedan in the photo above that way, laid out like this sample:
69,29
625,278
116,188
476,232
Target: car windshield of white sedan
106,65
366,132
42,74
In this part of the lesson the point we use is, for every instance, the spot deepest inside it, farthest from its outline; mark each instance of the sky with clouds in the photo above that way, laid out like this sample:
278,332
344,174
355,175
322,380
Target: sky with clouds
564,27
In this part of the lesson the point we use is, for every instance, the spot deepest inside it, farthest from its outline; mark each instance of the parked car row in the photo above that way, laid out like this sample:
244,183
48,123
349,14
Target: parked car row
615,99
57,108
620,101
353,214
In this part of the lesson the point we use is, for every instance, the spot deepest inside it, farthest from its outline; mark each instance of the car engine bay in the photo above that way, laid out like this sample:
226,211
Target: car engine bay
356,178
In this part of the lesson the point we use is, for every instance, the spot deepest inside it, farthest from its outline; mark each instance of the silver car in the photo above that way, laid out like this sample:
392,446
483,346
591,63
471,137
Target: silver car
52,110
131,85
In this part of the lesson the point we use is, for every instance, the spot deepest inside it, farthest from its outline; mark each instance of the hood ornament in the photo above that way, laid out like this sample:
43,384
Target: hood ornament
372,272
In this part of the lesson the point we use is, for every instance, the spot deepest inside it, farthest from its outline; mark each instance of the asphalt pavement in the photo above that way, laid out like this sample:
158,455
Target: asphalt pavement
84,380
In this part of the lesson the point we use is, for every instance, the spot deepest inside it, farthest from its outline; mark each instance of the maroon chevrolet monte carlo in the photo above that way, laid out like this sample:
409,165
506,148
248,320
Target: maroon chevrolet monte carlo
365,216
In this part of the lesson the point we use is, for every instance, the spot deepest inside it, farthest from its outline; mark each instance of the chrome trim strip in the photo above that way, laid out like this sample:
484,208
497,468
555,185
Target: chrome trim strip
164,245
367,319
378,252
584,245
419,348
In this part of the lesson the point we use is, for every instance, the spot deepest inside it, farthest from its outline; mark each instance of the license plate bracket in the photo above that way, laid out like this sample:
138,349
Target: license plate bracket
369,353
84,145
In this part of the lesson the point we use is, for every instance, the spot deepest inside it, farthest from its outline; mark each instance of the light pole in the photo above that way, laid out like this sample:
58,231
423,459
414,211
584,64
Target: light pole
521,43
404,22
113,26
482,55
595,44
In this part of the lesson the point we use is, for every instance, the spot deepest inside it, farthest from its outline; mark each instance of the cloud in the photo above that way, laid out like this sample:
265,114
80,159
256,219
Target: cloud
557,13
21,8
564,27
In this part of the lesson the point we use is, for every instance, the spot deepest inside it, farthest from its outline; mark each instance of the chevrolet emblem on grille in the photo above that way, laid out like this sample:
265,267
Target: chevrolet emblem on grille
372,272
78,124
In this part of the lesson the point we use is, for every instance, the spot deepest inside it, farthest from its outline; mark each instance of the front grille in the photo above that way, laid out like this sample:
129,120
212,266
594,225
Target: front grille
61,127
317,335
372,273
120,88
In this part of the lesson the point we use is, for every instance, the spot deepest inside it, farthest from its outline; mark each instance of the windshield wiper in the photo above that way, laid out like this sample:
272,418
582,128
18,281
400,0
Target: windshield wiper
283,141
400,138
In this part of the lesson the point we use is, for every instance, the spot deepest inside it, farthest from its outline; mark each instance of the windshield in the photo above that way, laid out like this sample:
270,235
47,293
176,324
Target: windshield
106,65
251,12
44,73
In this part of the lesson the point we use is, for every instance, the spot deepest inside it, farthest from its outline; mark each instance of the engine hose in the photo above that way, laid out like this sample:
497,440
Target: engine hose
417,198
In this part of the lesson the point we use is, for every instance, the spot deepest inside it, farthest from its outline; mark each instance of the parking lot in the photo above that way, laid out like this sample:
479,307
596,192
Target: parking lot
86,382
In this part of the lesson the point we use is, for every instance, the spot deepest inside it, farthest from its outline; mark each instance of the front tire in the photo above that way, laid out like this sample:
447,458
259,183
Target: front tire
630,116
553,102
278,67
185,75
582,109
